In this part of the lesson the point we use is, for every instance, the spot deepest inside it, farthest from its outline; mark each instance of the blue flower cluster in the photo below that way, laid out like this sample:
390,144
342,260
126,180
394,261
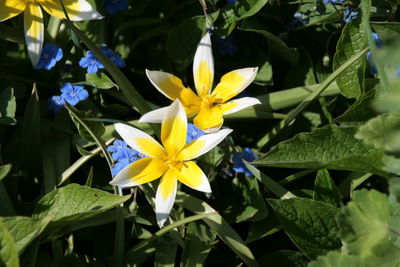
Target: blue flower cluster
114,6
238,165
123,155
193,133
71,94
51,54
93,64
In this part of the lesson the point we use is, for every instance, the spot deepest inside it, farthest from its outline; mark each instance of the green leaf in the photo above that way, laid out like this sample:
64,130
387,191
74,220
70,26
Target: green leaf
388,101
199,240
24,230
8,106
387,30
310,224
74,203
360,111
366,227
100,80
276,46
8,249
329,147
337,259
325,189
220,226
287,258
382,132
236,11
4,171
96,127
317,12
182,41
354,39
166,250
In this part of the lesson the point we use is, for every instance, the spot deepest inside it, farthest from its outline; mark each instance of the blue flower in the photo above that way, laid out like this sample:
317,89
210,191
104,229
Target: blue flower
115,57
123,155
226,46
193,133
91,63
332,1
377,39
371,63
238,166
51,54
56,103
350,14
72,94
115,6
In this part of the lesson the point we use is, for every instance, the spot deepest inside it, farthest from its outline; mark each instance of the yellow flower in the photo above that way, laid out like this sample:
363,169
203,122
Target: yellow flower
172,160
209,106
33,18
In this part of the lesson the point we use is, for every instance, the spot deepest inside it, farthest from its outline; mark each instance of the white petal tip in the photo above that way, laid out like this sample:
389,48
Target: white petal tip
161,219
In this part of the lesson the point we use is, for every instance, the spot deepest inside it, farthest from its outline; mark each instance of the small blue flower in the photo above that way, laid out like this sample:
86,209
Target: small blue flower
56,103
91,63
123,155
114,6
377,39
72,94
51,54
371,63
115,57
193,133
350,14
332,1
238,166
226,46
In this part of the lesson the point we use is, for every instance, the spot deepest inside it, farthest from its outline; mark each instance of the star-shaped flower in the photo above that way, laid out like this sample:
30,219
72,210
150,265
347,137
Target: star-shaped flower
172,161
33,18
72,94
208,106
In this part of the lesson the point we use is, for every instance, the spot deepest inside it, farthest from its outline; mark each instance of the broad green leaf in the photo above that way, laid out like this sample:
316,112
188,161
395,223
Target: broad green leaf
24,230
263,228
286,258
8,106
166,250
220,226
100,80
264,74
354,39
74,202
310,224
317,12
8,249
387,30
96,127
276,46
182,41
360,111
4,170
199,240
382,132
365,225
330,147
337,259
325,189
388,101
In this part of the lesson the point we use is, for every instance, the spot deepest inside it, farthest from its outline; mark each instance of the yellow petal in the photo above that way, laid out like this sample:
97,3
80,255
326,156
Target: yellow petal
208,118
140,141
202,145
193,176
165,196
140,172
76,9
233,83
34,31
11,8
174,128
203,67
172,87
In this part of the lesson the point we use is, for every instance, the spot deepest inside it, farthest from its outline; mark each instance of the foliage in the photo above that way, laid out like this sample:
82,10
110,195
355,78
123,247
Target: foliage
309,177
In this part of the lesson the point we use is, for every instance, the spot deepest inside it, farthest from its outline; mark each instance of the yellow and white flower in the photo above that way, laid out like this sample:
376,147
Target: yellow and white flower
33,18
210,106
172,161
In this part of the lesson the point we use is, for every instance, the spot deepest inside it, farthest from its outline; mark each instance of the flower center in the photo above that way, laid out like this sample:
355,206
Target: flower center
172,162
